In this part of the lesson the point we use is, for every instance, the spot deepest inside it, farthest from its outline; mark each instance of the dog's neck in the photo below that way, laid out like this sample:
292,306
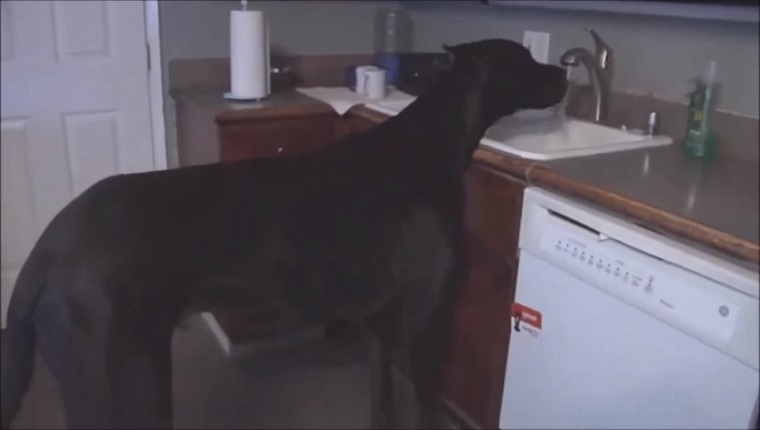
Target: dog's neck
424,149
447,122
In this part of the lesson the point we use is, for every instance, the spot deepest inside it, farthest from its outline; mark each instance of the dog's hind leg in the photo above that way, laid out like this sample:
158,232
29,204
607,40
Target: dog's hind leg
381,384
19,337
428,360
17,349
381,367
73,337
142,375
428,263
431,343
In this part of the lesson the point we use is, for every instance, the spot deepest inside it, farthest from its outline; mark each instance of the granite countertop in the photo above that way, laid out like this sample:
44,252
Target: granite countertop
715,205
723,195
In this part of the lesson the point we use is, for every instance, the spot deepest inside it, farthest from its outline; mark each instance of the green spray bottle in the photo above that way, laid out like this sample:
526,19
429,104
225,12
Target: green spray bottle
701,142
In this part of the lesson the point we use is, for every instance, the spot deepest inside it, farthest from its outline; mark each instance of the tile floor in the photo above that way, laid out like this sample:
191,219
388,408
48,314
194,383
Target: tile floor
312,385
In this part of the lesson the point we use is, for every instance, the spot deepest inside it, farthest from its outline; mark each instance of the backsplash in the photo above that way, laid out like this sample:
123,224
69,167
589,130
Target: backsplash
309,71
738,136
651,55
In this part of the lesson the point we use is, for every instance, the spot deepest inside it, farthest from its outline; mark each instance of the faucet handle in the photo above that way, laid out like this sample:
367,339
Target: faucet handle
652,126
603,51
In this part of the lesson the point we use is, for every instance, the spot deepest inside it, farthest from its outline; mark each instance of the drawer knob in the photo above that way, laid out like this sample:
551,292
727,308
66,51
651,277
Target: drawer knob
280,149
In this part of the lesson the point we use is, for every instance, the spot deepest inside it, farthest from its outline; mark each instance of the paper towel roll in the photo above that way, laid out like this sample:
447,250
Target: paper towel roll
249,55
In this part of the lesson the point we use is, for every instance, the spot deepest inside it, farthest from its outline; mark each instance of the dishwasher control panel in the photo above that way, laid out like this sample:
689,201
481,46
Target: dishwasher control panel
645,281
592,260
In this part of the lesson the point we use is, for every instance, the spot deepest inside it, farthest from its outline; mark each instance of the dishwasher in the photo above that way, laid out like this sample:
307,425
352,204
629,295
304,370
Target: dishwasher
617,326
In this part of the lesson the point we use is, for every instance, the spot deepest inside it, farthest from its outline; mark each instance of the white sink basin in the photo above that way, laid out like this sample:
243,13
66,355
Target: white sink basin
542,135
551,139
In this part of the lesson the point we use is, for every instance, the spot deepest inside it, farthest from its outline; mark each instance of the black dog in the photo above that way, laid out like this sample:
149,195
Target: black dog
378,226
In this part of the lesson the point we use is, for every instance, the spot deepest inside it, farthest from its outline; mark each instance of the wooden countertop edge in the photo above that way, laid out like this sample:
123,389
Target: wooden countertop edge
273,112
367,113
651,216
512,166
227,116
536,174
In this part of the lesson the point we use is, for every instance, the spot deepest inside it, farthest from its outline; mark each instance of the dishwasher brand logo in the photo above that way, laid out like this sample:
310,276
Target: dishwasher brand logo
526,319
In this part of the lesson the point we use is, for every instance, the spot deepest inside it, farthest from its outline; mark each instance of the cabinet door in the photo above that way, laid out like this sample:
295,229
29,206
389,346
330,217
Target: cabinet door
493,208
350,124
268,138
359,124
480,337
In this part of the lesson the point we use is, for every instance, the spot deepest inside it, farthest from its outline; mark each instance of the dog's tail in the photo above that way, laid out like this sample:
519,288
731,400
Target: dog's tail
18,339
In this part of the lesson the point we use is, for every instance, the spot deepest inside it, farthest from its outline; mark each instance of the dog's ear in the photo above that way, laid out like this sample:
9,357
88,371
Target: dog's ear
451,50
456,55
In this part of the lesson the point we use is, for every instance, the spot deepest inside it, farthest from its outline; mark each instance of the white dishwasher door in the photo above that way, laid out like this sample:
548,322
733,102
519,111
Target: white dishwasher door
598,362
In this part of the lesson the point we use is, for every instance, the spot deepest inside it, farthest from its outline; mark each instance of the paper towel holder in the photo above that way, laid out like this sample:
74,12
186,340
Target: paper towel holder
233,98
268,67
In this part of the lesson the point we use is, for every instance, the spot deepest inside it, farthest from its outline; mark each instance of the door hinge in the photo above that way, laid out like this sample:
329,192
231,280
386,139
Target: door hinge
147,53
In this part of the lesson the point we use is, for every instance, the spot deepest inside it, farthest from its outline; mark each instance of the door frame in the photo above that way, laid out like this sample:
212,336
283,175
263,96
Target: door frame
155,83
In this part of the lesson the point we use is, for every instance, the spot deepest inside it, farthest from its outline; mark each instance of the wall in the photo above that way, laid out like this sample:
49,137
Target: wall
658,55
200,29
197,29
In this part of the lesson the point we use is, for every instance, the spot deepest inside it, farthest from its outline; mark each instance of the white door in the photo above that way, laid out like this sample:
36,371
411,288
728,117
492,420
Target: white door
75,109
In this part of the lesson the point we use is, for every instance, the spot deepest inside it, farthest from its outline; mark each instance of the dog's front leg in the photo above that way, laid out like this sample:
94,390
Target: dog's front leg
431,275
428,360
381,410
380,340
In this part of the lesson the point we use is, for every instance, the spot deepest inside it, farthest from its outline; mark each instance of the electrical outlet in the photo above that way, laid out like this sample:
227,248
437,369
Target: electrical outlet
538,44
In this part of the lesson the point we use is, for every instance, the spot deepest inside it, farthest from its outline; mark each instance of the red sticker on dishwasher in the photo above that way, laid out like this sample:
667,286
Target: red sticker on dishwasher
526,315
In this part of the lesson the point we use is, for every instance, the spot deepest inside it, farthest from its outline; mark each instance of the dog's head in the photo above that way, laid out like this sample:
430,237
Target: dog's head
511,79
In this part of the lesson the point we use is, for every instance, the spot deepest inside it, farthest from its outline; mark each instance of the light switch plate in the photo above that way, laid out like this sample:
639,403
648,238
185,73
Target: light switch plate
538,44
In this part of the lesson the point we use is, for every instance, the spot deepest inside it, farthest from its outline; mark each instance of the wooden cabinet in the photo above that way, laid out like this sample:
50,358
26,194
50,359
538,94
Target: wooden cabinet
201,141
285,137
350,124
480,337
493,208
281,137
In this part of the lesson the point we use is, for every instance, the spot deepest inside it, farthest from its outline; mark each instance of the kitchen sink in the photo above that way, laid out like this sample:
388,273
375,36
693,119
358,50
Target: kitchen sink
544,134
553,136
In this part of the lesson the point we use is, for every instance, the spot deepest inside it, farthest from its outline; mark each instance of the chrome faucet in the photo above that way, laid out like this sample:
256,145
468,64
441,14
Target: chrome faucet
599,67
